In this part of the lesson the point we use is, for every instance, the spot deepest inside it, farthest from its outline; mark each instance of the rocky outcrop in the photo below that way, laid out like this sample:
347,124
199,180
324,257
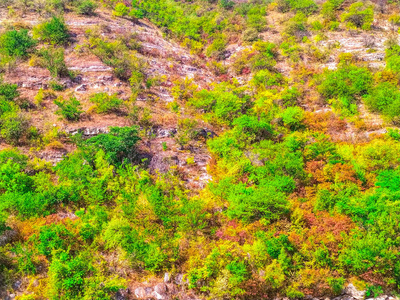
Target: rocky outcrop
174,287
352,293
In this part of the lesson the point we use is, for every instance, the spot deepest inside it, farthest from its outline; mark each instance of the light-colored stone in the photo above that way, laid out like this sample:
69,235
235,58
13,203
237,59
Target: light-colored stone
81,88
160,288
352,291
179,279
140,293
159,296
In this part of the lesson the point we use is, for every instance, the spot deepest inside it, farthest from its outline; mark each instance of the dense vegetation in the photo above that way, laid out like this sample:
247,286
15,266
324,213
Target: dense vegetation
289,211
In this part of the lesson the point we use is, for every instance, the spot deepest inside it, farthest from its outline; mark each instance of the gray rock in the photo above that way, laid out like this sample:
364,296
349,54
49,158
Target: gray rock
149,291
167,277
106,78
344,297
161,133
7,237
16,285
160,296
81,88
140,293
160,288
353,292
382,297
122,294
179,279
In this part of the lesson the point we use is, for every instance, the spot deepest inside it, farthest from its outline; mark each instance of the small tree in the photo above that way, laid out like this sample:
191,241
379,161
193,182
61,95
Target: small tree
53,59
359,16
86,7
119,144
106,103
14,127
69,109
54,31
16,43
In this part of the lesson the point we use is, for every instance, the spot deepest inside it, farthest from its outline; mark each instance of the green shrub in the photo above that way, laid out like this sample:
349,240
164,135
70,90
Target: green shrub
56,86
217,48
86,7
359,16
69,109
53,237
16,43
54,31
119,144
384,98
252,127
289,97
7,107
121,56
227,4
256,18
293,117
263,57
266,79
305,6
14,127
53,59
346,84
222,104
106,103
121,10
186,131
393,57
252,204
8,91
329,9
297,26
67,276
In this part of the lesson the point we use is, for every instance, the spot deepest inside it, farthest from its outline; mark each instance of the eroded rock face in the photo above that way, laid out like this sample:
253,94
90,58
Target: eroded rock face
87,132
352,291
7,237
122,294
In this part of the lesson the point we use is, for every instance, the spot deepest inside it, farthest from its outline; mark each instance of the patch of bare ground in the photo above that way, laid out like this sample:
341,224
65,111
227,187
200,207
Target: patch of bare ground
163,57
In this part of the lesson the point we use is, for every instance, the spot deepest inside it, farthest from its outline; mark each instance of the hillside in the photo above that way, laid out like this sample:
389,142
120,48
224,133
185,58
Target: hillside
204,149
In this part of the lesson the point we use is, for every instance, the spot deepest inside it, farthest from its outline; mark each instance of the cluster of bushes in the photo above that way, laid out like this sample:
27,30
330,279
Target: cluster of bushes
120,54
14,125
83,7
350,85
289,212
20,44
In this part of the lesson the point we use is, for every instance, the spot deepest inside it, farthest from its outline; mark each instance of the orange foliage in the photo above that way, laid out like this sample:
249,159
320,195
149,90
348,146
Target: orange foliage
315,168
342,173
326,122
326,228
233,231
314,282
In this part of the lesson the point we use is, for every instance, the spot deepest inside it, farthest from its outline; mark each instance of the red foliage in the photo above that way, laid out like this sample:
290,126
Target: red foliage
373,277
224,77
322,225
343,173
233,232
246,70
315,168
255,289
326,122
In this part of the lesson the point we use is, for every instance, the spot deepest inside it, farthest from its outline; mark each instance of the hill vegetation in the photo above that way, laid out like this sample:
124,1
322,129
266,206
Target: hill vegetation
280,175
